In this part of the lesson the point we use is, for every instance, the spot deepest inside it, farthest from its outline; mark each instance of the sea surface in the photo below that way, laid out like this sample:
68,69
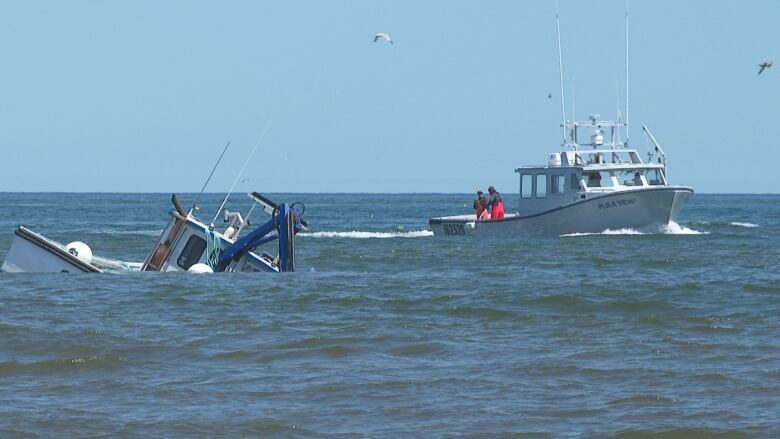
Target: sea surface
387,331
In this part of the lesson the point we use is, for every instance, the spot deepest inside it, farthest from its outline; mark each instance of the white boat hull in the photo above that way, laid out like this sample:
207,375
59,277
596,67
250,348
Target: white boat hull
633,209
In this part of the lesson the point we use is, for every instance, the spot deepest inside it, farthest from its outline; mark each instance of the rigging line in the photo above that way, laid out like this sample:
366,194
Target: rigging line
260,139
209,179
560,69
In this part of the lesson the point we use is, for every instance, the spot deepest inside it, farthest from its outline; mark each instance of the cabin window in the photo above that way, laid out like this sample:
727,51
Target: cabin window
574,182
526,190
192,252
600,179
594,179
557,184
654,177
541,185
631,178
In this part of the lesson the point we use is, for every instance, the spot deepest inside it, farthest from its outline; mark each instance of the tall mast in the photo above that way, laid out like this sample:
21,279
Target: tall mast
560,69
617,105
627,118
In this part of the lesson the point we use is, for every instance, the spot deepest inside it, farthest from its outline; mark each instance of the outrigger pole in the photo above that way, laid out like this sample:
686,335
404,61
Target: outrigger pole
260,139
208,179
560,69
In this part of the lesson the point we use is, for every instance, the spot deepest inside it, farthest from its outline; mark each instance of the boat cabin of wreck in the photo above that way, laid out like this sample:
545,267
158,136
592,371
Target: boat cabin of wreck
188,244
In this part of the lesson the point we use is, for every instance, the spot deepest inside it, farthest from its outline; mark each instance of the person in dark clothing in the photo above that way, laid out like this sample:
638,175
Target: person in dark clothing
480,205
495,204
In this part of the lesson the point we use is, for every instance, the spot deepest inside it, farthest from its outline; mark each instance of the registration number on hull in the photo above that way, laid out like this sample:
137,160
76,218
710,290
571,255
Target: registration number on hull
453,229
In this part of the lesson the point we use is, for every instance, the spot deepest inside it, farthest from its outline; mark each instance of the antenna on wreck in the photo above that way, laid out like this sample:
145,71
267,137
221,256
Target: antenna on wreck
208,179
241,172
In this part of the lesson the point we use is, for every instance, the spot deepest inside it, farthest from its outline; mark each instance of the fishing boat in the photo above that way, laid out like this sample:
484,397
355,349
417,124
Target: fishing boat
607,187
580,190
186,244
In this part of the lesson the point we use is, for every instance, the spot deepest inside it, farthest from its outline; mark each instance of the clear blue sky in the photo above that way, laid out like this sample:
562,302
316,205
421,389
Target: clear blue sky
140,96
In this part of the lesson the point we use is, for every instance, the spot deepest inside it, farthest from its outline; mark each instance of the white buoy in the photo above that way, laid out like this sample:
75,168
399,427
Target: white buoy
80,250
200,268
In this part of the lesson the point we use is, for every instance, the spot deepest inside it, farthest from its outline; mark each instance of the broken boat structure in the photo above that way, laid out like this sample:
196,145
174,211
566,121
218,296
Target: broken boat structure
186,244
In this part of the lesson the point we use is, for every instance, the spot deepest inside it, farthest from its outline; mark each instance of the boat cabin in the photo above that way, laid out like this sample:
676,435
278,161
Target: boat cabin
578,174
187,244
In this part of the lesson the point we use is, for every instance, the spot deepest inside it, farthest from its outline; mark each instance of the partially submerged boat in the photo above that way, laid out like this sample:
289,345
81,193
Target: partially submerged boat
607,187
186,244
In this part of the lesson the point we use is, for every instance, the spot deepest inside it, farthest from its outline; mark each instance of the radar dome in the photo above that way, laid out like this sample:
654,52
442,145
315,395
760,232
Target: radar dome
80,250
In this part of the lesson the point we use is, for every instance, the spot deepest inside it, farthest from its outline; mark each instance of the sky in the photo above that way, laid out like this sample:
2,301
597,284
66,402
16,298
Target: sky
141,96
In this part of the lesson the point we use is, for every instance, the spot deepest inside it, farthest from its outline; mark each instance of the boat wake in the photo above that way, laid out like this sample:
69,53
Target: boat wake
354,234
669,229
676,229
605,232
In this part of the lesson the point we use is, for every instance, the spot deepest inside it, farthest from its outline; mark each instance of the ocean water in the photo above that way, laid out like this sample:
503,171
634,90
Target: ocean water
387,331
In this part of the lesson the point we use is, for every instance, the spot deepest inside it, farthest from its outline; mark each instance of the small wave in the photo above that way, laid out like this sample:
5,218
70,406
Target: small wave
61,364
367,235
644,399
108,231
132,232
741,224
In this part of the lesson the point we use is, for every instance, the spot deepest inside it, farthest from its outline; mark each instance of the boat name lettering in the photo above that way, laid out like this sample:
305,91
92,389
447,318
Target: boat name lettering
453,229
617,203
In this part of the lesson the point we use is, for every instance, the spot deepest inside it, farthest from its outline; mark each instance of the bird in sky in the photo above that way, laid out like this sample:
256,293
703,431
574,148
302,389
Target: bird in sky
383,36
549,95
764,65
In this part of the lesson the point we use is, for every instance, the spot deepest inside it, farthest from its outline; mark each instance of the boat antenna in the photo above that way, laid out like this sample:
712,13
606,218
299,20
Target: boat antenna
573,95
208,179
240,173
627,119
560,69
617,106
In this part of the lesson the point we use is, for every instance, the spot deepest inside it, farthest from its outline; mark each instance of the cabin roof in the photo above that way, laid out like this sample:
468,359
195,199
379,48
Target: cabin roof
593,167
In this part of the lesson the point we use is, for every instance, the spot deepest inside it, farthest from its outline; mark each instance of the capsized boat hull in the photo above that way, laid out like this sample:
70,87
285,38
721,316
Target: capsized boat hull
34,253
633,209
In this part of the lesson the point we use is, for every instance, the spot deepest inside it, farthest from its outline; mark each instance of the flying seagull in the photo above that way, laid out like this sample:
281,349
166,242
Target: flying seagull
383,36
764,65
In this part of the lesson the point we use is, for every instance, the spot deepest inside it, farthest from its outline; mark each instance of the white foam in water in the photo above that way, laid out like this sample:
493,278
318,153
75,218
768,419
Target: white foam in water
675,229
739,224
622,232
368,235
605,232
670,229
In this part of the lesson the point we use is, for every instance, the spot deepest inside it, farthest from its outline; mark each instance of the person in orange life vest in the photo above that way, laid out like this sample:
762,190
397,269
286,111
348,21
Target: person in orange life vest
480,205
495,203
